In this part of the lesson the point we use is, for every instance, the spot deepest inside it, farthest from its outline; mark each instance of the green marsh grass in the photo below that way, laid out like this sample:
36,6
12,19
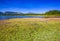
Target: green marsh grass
27,30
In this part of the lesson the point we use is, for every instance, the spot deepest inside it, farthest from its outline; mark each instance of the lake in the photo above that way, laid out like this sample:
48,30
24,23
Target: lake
9,17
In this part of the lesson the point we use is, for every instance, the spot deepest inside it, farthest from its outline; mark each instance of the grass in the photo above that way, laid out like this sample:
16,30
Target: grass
29,30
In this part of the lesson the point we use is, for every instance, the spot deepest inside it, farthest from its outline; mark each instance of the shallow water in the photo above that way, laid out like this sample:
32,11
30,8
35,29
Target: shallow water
9,17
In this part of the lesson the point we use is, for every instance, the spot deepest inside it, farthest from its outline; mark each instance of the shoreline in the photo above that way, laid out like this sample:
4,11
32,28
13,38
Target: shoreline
33,19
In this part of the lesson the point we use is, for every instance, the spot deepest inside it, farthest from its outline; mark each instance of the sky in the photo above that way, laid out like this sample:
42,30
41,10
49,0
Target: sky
26,6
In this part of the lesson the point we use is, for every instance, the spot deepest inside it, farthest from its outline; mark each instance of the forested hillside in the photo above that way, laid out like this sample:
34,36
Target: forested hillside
51,12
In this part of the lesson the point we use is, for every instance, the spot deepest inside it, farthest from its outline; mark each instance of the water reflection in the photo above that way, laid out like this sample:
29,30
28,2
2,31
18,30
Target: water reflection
8,17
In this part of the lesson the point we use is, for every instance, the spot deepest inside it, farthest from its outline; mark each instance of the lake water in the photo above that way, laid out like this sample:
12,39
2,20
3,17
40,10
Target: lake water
9,17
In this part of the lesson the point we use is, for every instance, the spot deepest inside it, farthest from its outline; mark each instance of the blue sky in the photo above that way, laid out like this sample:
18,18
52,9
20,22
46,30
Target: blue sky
25,6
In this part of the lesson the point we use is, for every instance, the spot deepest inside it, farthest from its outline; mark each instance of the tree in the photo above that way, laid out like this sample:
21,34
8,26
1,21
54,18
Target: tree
53,12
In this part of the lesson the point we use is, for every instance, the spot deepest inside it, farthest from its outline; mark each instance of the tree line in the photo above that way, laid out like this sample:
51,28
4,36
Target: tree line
51,12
